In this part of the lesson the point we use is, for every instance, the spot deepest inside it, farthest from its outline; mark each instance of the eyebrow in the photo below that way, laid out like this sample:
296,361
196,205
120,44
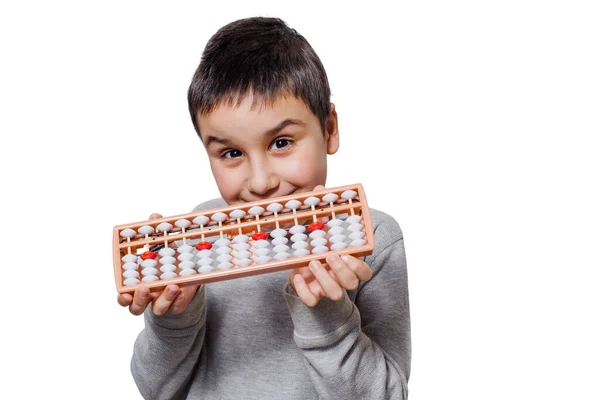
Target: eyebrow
269,133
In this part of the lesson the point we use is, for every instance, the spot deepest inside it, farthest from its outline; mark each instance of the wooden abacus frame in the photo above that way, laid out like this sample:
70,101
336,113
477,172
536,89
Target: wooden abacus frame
247,226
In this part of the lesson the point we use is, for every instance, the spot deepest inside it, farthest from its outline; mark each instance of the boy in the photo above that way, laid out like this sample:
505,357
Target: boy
260,102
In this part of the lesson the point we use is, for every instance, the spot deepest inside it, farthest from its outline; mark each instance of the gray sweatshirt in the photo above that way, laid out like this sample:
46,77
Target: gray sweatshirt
253,338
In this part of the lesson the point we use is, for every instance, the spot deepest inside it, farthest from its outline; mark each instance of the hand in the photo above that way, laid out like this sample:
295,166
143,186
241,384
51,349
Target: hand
173,298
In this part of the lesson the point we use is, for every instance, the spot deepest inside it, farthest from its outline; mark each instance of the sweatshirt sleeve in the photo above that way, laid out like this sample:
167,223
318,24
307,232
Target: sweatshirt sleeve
166,352
361,349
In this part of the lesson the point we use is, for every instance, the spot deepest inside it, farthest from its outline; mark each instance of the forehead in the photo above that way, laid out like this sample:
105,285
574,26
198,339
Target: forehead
254,116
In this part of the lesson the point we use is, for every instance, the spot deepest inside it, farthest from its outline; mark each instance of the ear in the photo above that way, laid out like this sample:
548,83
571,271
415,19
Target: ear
332,133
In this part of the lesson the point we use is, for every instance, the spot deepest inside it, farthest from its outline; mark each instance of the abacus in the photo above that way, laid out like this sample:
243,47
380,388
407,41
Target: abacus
242,240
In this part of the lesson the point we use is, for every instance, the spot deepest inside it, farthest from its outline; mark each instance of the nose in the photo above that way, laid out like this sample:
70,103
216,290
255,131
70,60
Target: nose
263,179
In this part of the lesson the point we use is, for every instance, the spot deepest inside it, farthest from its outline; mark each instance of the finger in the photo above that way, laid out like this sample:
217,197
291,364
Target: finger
331,288
360,268
155,216
319,187
141,298
163,302
124,299
345,276
303,292
186,294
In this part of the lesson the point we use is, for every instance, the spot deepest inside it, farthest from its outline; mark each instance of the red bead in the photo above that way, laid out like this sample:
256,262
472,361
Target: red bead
260,236
316,226
148,255
203,246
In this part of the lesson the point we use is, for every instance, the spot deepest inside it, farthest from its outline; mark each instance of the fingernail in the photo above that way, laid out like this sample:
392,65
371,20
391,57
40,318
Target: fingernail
332,258
297,279
314,265
172,291
144,292
345,258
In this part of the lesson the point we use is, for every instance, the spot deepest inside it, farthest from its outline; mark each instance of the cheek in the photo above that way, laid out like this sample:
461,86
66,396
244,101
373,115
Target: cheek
228,182
306,169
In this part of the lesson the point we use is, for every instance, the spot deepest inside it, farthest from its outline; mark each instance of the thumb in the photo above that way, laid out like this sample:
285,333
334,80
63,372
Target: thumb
155,216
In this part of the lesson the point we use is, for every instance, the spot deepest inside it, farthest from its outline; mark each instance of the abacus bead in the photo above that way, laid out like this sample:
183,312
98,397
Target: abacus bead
223,250
185,257
278,233
201,220
218,217
259,244
330,197
182,223
131,281
148,255
355,227
275,207
186,248
235,214
225,265
149,271
312,201
187,264
263,259
168,267
129,258
349,194
131,273
298,237
205,268
337,238
203,246
320,250
165,226
240,239
168,275
301,252
315,226
241,246
149,263
336,230
205,253
127,233
243,262
167,260
262,252
358,242
130,265
338,246
222,242
204,261
279,240
297,229
334,222
317,234
281,256
166,251
256,210
149,278
300,245
354,219
357,235
224,258
293,204
187,272
260,236
242,254
318,242
146,230
281,248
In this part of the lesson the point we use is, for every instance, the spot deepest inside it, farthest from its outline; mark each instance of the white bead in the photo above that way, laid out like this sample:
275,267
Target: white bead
182,223
338,246
149,271
354,219
320,250
235,214
241,246
293,204
357,235
318,242
241,254
300,245
205,268
274,207
262,252
168,267
337,238
240,239
256,210
298,237
131,273
149,278
349,194
336,230
223,242
168,275
130,265
225,265
335,222
279,240
131,281
187,264
218,217
129,258
263,259
301,252
357,242
149,263
224,258
164,227
186,248
205,253
355,227
146,230
278,233
281,256
127,233
243,262
223,250
281,248
166,251
201,220
317,234
204,261
167,260
259,244
330,197
312,201
297,229
187,272
185,257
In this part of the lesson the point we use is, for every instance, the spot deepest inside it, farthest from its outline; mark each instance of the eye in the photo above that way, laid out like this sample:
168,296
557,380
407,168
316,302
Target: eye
233,153
280,144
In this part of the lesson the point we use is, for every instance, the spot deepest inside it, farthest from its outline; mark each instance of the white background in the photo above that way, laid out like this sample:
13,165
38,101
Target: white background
474,123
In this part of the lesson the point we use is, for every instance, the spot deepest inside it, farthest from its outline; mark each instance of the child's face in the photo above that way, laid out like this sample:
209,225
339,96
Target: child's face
267,151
